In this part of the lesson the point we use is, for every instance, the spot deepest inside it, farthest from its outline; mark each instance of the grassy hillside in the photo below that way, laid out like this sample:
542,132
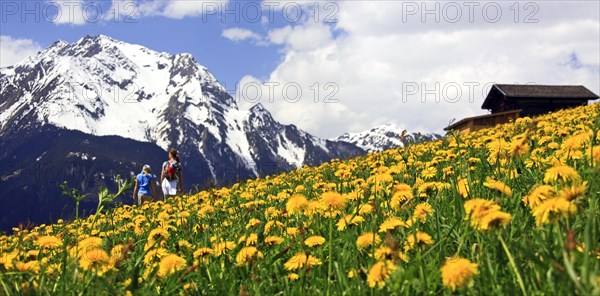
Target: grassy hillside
507,210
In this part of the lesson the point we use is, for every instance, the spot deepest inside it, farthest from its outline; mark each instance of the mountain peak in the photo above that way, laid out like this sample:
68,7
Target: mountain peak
258,108
259,116
387,127
97,38
58,43
383,137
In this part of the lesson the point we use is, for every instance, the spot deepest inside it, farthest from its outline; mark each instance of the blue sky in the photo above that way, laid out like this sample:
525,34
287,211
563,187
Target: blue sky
353,64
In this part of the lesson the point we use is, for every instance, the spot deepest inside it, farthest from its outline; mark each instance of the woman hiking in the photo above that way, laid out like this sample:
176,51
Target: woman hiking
172,176
145,183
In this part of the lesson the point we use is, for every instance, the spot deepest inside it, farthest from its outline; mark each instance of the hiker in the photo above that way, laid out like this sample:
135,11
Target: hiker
144,182
171,176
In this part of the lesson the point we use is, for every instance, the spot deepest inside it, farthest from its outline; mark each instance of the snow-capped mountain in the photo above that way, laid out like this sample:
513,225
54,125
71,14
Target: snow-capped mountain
385,137
107,92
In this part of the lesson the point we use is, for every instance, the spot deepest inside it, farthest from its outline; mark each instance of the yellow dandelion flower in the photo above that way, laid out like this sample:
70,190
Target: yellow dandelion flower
154,255
95,259
551,209
332,201
291,231
32,254
163,216
594,154
391,223
273,240
423,210
90,243
313,207
157,235
313,261
365,209
402,194
296,204
379,273
252,239
499,186
247,254
170,264
349,219
477,207
463,187
202,252
457,272
383,252
54,268
573,191
402,256
518,147
485,214
293,276
429,188
575,142
117,254
314,241
252,223
538,194
401,187
299,260
183,244
448,171
367,239
429,172
270,224
493,219
418,239
31,266
49,242
223,246
562,173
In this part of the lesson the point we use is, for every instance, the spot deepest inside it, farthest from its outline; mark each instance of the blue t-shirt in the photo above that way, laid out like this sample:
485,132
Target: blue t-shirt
144,183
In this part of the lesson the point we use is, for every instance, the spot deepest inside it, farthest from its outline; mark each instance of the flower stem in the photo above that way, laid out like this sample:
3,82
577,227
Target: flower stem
513,265
330,263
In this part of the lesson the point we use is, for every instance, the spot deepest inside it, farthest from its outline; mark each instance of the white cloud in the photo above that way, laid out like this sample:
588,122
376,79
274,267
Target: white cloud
376,60
240,34
13,50
302,38
179,9
72,12
132,10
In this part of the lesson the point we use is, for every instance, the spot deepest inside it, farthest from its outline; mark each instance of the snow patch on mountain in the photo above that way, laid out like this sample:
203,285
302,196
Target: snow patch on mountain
383,137
376,139
236,137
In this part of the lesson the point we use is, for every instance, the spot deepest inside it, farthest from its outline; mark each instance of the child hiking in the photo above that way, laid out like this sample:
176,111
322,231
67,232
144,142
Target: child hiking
172,176
145,183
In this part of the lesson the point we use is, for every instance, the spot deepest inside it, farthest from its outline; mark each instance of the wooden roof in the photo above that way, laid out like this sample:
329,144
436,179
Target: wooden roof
578,92
465,120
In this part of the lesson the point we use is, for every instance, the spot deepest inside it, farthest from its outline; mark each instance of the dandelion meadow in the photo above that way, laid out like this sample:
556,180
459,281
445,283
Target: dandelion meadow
512,210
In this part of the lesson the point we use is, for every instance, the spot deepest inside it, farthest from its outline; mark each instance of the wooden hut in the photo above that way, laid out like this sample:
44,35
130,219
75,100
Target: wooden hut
508,102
